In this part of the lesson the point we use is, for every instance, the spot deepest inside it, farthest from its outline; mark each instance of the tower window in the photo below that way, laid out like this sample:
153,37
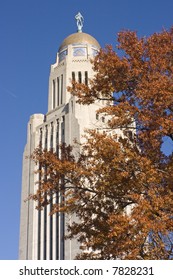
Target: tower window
41,135
72,106
80,77
62,55
61,89
57,137
53,101
51,137
63,129
79,51
46,136
94,52
58,91
86,78
73,76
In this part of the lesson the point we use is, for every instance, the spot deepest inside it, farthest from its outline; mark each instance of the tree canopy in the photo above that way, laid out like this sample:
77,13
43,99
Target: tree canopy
120,188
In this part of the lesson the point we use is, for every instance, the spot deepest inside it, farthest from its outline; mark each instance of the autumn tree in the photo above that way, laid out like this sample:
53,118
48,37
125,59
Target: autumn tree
120,188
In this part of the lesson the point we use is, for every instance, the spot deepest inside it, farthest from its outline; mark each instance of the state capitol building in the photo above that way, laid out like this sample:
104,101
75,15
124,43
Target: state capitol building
42,235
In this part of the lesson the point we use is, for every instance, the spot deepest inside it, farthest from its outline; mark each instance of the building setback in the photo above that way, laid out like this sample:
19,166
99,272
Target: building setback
42,235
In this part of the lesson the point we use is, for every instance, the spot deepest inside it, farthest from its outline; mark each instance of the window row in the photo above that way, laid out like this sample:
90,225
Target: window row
77,51
80,77
51,136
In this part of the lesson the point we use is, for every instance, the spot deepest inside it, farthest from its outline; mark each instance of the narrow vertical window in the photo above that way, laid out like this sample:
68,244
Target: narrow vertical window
51,229
80,77
39,232
53,101
62,230
57,199
86,78
45,232
51,200
63,129
41,137
57,138
73,76
58,91
73,79
45,219
51,137
39,211
46,135
57,229
61,89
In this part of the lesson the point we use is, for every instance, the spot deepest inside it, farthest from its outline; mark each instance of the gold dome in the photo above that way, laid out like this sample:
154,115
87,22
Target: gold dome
79,38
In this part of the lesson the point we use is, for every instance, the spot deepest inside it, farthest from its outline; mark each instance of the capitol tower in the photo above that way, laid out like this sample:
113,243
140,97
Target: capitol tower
42,235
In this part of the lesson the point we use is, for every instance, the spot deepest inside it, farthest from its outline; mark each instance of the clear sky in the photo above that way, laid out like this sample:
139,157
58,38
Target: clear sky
30,33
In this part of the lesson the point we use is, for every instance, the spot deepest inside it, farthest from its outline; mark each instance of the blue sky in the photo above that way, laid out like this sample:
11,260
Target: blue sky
30,34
